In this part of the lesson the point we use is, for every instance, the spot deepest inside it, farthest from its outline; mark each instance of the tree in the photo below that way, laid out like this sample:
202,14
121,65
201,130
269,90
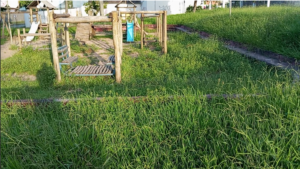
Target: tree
24,3
96,6
195,6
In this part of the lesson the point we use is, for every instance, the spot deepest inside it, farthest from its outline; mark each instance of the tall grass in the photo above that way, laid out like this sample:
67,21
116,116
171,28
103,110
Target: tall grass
186,132
275,28
191,64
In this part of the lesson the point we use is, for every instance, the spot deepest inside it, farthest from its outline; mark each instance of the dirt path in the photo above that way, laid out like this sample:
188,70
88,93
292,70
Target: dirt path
6,52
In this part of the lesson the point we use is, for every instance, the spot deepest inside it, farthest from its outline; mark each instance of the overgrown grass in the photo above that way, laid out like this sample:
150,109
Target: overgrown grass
191,64
185,132
275,28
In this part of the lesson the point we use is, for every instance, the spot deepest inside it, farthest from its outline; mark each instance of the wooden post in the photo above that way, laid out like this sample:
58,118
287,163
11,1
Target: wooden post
121,38
142,31
31,15
67,38
47,16
24,32
54,46
165,50
157,29
37,17
101,7
19,38
8,21
116,37
3,22
66,6
61,36
134,29
160,29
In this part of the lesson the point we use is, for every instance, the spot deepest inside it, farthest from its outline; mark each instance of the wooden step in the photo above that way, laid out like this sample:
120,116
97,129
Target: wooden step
92,70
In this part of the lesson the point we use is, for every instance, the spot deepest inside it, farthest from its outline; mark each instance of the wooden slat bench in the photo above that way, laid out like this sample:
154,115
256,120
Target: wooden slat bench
90,70
63,54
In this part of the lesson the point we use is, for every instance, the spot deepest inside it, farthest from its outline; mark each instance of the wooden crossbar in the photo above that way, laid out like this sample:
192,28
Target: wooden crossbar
64,55
62,49
36,34
84,19
141,12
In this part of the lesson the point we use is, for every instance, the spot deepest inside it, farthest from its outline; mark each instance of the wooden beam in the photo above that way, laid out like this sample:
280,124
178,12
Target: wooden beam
54,46
142,31
24,32
55,16
48,15
116,37
66,7
67,38
36,34
165,27
150,16
141,12
121,38
3,22
160,29
83,19
10,34
134,28
19,39
31,15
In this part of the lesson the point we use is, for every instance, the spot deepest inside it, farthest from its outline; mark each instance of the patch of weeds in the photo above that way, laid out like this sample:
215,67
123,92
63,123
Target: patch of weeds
13,47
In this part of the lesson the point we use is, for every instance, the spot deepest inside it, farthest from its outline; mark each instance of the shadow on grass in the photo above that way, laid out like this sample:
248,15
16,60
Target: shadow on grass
46,76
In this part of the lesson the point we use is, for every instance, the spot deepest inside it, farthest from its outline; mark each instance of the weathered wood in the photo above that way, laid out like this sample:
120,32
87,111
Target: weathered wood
165,50
19,39
76,68
3,23
10,34
70,60
62,49
31,15
48,15
116,37
134,28
160,29
121,39
142,31
36,34
150,16
83,19
66,7
67,38
141,12
65,15
37,17
63,55
54,46
61,37
24,32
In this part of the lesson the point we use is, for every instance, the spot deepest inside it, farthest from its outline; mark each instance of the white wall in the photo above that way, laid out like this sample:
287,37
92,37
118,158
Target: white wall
171,6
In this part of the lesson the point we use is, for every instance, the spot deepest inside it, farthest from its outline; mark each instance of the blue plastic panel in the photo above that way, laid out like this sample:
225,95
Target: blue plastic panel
130,31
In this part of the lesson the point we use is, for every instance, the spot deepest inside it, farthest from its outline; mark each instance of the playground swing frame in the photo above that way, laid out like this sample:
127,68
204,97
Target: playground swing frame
117,35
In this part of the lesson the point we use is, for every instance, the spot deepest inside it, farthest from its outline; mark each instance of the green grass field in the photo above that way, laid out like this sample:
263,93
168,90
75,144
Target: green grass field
275,28
175,127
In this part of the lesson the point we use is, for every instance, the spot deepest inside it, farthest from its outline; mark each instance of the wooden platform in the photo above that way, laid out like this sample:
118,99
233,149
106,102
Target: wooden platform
91,70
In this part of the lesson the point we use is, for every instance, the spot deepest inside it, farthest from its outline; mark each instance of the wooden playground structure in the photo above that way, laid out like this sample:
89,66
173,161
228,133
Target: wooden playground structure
64,53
